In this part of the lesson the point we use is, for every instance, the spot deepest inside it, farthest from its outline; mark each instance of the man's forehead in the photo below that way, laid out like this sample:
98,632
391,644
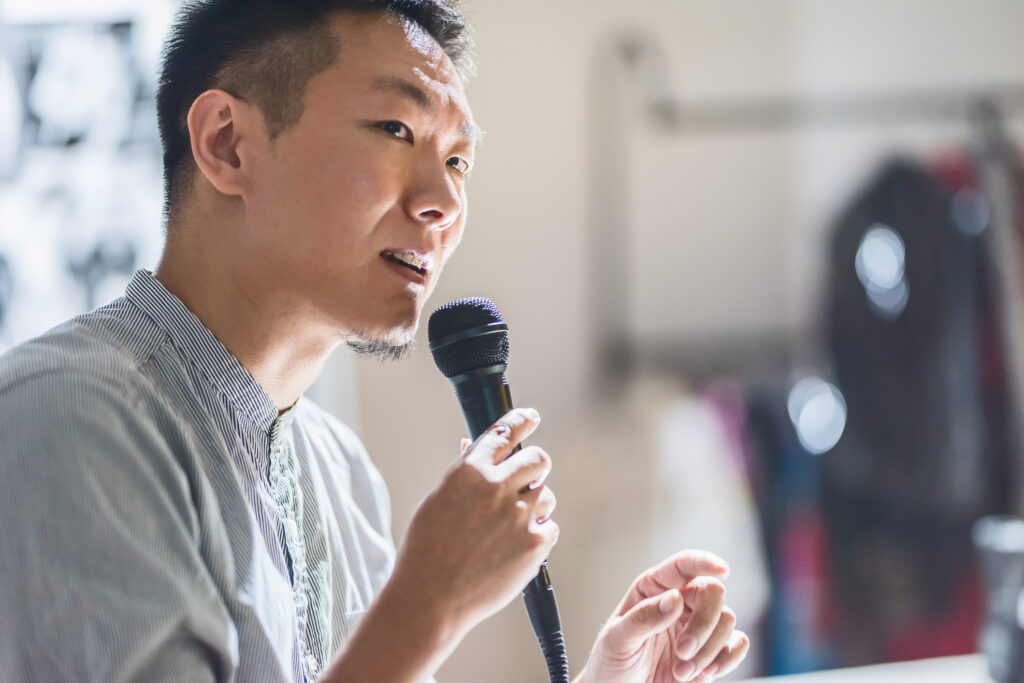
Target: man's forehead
381,43
399,57
382,34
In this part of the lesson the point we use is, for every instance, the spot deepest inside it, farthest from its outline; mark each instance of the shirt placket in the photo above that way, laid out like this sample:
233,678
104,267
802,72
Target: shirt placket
284,485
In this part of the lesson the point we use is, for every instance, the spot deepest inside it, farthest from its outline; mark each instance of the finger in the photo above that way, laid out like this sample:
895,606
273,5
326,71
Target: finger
525,469
705,596
548,535
731,655
646,618
497,442
544,506
526,501
536,506
542,535
673,572
681,568
714,644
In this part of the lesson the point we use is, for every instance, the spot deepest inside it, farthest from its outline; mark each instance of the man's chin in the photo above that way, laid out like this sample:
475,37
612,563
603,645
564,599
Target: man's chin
392,345
381,350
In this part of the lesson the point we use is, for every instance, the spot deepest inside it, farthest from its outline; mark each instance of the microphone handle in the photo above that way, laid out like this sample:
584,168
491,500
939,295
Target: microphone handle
484,396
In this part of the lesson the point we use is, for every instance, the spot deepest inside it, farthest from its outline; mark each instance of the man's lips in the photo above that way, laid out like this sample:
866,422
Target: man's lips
407,263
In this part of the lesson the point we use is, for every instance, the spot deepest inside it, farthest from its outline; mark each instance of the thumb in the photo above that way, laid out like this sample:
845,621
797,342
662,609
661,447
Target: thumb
645,619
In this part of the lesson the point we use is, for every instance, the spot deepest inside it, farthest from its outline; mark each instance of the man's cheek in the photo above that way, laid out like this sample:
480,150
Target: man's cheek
453,238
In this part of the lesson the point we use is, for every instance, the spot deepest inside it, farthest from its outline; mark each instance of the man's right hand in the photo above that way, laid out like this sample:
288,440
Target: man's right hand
472,546
480,536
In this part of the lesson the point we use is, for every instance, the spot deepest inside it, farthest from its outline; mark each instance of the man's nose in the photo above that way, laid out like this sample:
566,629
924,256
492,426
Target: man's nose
434,199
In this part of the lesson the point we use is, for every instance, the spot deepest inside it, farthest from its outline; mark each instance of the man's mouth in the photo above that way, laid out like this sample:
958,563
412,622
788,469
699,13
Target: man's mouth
409,259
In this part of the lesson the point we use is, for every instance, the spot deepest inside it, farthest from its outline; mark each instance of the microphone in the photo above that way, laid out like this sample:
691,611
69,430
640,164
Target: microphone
469,341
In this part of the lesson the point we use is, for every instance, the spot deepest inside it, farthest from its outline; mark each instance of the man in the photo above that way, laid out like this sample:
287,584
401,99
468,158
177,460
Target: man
175,509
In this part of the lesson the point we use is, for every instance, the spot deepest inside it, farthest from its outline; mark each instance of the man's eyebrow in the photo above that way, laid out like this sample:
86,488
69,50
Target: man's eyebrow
473,132
403,88
418,96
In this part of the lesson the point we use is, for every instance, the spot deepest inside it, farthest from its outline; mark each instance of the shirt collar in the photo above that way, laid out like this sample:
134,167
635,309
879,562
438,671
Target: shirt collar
198,344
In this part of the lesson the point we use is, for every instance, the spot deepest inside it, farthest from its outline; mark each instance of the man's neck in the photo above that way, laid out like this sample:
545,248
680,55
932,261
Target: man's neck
273,339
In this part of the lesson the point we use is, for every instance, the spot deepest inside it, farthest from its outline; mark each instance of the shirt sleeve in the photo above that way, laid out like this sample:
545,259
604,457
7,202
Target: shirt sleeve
101,578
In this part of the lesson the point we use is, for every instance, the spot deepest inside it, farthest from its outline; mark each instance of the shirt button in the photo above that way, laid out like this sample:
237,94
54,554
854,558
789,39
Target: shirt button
311,662
292,528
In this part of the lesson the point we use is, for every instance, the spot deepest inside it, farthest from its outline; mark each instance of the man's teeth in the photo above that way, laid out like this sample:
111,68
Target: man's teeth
411,259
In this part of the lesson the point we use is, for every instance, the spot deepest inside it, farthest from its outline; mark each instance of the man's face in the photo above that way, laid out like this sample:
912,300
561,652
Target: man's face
359,205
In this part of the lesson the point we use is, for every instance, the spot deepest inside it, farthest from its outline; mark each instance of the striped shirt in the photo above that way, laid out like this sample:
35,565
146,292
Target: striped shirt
161,521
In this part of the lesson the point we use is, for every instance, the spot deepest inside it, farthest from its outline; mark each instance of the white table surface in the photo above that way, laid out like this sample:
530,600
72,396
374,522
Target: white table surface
965,669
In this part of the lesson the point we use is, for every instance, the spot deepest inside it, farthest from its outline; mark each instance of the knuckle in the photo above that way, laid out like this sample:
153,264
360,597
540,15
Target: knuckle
534,457
550,533
728,616
501,433
537,540
543,458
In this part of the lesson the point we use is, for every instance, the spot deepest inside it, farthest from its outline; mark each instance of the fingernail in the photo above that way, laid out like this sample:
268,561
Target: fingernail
688,647
533,414
685,670
669,601
711,670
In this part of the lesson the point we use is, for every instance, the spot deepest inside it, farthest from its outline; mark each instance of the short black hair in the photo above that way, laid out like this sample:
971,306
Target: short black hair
266,51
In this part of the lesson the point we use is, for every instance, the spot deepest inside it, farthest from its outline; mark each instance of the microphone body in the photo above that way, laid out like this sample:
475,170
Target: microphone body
484,396
472,354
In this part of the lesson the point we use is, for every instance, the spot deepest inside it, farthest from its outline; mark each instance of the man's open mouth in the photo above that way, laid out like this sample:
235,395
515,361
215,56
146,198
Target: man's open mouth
408,259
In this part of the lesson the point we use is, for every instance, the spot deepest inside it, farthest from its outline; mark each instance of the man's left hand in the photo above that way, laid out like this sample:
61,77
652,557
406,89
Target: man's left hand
671,626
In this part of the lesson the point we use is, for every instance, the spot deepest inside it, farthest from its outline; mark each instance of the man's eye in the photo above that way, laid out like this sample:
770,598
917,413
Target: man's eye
398,129
459,164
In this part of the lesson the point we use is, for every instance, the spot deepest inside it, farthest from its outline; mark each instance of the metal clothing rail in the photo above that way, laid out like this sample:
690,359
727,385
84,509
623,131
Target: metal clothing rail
923,106
629,85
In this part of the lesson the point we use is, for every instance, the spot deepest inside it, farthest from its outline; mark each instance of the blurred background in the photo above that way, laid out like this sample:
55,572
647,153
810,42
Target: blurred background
759,263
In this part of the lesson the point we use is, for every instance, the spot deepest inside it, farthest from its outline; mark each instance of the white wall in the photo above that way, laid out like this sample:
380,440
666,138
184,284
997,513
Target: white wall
741,217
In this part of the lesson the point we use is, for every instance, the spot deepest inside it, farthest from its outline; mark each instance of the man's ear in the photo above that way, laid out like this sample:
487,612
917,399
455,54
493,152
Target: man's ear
223,131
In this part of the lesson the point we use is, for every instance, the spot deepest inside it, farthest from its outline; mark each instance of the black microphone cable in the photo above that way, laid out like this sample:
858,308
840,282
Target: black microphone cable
469,341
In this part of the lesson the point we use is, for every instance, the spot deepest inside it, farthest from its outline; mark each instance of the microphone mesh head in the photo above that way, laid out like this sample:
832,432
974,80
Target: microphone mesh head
479,350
